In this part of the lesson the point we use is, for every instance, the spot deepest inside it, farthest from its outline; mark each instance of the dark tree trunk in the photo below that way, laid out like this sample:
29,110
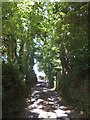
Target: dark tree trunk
64,59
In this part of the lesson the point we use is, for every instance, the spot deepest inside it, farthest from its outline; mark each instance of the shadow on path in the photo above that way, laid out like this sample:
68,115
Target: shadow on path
46,103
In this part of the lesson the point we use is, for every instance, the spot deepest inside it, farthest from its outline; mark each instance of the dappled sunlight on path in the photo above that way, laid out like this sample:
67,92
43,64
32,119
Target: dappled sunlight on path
45,103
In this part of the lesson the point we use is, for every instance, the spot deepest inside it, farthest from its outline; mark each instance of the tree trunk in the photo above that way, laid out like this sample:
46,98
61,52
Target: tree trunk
64,59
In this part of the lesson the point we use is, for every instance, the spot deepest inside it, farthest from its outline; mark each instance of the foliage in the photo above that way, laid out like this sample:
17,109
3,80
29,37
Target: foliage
72,19
75,90
18,56
13,90
53,33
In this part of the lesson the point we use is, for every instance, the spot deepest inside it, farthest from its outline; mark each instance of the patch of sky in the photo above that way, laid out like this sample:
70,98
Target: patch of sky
68,33
38,42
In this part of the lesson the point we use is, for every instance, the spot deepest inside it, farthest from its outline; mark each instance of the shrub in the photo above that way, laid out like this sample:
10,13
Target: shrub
75,90
12,91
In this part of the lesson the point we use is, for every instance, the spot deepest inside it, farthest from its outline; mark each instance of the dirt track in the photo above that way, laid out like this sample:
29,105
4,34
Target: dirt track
46,103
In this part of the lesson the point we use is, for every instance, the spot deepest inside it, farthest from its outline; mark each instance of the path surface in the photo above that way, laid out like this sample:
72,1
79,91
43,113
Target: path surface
46,103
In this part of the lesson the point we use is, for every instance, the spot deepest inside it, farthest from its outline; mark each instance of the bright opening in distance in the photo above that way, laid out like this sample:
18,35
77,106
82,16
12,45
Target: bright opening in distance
37,71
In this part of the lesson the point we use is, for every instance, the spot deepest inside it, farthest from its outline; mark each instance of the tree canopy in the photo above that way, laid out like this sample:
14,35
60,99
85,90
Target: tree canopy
52,33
